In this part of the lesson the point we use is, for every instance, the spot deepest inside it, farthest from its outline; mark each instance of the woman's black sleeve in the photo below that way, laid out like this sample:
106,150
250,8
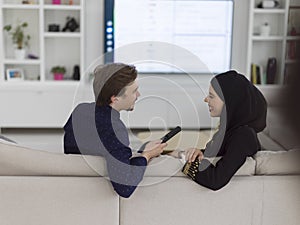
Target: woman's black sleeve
239,146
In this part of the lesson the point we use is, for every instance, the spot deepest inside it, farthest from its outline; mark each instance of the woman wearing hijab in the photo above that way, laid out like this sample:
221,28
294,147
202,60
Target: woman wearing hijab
242,110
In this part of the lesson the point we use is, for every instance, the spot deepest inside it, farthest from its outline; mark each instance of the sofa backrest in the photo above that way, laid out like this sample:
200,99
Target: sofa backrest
21,161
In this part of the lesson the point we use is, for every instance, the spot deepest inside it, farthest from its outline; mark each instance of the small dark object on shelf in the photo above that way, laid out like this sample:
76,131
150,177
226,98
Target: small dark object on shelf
32,56
71,24
53,28
271,70
76,73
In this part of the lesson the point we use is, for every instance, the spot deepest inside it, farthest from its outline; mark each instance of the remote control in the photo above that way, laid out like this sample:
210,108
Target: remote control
164,139
171,134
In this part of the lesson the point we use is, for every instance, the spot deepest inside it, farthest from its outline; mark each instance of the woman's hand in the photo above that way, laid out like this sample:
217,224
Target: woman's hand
191,154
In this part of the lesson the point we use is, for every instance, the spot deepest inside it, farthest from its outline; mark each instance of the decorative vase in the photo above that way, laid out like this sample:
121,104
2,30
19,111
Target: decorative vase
20,54
56,2
58,76
265,29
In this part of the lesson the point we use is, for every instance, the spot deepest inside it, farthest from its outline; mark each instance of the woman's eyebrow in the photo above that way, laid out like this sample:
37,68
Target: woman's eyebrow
211,93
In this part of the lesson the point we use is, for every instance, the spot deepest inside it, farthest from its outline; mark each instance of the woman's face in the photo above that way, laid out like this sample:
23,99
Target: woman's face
215,104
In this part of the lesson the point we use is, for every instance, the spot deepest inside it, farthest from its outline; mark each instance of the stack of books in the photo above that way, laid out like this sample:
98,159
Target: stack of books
258,75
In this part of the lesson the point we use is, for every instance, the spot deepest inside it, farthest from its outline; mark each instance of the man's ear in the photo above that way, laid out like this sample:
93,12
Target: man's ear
113,99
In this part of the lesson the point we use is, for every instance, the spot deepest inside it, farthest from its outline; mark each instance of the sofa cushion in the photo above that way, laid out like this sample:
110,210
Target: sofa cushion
278,163
57,201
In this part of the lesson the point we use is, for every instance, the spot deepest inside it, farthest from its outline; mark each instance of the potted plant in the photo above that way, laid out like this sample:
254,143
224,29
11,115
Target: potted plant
58,72
19,38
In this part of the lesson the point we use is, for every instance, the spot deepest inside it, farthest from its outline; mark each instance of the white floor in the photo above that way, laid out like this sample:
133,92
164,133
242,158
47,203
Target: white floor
47,139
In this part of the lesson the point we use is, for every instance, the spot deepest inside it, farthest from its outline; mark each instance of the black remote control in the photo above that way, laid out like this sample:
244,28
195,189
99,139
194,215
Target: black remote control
164,139
171,134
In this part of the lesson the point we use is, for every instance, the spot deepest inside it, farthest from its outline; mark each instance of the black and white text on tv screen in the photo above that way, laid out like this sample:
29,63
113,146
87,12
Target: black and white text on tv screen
202,28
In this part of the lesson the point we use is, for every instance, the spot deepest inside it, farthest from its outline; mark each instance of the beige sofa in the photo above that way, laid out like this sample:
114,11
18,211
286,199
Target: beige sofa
38,187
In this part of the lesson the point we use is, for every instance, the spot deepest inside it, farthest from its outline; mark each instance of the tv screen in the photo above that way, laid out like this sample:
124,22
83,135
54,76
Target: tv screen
203,28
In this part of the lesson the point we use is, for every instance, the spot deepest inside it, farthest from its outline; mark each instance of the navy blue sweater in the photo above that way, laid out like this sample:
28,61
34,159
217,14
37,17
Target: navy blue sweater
98,130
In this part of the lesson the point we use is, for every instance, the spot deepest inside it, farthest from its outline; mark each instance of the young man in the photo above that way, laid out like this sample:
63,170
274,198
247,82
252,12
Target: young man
96,128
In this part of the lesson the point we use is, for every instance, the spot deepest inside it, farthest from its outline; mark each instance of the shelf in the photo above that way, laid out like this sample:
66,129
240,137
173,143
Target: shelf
22,62
292,38
269,11
267,38
20,6
62,7
62,35
37,85
61,82
292,61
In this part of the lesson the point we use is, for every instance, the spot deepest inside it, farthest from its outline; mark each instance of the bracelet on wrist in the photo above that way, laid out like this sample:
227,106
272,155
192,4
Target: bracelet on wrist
191,168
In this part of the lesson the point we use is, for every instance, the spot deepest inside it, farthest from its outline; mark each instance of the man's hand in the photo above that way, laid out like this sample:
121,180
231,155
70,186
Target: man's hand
191,154
153,149
152,144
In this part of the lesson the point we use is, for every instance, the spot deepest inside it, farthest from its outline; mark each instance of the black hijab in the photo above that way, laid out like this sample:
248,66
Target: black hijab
244,106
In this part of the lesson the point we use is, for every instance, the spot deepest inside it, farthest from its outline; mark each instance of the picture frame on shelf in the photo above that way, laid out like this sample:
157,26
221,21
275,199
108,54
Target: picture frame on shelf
14,74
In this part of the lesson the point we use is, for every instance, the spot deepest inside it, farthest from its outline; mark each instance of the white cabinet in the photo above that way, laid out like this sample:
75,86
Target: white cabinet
52,48
35,105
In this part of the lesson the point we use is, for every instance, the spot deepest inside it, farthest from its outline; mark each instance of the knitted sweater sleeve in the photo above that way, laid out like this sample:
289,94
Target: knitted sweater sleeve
125,172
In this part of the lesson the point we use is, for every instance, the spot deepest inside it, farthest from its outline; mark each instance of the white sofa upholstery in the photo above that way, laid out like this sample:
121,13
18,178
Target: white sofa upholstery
38,187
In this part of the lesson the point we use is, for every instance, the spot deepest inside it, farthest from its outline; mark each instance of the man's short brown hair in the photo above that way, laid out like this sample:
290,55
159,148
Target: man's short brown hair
111,80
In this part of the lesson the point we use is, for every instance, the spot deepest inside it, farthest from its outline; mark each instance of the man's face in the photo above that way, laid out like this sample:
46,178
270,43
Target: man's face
128,99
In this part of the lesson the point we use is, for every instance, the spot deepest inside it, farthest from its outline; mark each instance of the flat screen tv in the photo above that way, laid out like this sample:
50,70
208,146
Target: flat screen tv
203,28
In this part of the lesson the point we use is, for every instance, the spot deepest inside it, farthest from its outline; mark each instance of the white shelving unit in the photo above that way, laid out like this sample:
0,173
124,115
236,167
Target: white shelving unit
39,100
52,48
261,48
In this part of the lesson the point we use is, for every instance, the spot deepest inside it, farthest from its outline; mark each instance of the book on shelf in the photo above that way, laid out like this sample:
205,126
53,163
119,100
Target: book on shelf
258,75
